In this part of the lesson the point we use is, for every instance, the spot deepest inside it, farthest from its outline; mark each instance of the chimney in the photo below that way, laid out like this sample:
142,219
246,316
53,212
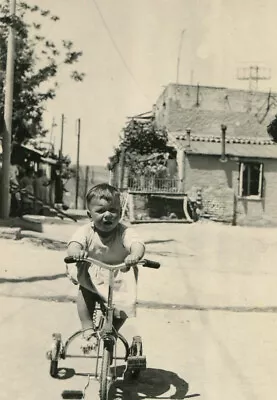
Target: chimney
188,138
223,143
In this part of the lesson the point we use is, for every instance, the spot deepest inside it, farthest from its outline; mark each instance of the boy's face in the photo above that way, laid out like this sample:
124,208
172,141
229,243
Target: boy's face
105,214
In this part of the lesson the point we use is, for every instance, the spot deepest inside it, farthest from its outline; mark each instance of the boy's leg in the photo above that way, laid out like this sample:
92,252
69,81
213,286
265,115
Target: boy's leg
118,323
119,319
85,305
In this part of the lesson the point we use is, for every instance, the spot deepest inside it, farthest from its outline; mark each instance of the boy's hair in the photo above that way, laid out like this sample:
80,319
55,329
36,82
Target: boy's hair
102,191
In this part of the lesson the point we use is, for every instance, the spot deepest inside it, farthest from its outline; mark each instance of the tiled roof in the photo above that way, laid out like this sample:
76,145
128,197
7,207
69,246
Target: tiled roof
239,147
217,139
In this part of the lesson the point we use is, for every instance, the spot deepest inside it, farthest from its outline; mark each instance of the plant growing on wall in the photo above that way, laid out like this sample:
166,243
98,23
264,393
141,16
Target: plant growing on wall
145,148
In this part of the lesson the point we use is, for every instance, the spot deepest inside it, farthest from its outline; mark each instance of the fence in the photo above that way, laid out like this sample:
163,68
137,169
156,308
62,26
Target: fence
152,184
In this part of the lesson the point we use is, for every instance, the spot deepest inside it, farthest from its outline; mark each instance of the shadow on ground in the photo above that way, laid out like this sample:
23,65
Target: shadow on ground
152,384
33,278
159,241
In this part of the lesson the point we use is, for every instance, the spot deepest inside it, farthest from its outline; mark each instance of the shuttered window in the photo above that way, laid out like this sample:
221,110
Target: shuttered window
251,179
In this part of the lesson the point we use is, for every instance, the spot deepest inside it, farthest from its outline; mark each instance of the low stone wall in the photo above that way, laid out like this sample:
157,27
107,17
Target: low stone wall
154,207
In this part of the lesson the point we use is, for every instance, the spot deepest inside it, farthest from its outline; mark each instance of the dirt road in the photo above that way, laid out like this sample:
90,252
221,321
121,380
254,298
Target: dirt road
207,317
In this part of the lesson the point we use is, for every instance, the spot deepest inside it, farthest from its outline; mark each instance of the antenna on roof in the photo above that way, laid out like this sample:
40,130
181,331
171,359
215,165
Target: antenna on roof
179,54
253,74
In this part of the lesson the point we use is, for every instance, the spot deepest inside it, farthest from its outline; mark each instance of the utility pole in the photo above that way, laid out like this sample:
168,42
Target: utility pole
8,112
86,186
62,132
51,133
78,161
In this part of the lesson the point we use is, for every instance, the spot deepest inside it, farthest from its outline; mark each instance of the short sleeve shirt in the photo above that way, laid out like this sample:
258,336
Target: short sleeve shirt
112,250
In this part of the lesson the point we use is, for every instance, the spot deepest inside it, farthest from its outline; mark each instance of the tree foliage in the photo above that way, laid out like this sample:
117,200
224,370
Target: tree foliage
145,148
37,63
272,129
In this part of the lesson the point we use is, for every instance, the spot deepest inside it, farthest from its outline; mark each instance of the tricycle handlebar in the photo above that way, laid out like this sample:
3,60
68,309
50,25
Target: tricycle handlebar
144,262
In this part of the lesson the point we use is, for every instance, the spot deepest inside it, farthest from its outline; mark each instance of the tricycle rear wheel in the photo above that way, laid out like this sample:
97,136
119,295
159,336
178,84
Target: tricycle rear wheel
54,368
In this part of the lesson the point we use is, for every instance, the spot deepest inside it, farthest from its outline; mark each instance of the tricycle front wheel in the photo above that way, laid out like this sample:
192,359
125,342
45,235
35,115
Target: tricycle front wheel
105,374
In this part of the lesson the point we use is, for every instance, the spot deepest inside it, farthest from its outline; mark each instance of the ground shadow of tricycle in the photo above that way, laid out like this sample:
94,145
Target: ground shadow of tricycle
151,384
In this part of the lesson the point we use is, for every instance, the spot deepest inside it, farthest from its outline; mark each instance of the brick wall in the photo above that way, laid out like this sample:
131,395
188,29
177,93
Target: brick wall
216,180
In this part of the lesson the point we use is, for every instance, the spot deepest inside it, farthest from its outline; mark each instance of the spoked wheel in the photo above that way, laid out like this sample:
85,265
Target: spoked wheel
105,378
54,354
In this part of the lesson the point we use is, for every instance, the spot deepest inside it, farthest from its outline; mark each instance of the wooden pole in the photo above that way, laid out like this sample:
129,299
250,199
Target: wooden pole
78,162
8,113
86,186
121,168
62,134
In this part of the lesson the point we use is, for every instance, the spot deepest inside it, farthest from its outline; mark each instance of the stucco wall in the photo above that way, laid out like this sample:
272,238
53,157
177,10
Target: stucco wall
261,212
204,109
219,186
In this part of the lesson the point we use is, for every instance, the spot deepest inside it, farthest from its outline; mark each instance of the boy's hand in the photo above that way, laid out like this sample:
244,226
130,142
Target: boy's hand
131,260
79,255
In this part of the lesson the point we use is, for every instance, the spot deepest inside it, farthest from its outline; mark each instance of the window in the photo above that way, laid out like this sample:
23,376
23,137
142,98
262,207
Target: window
251,179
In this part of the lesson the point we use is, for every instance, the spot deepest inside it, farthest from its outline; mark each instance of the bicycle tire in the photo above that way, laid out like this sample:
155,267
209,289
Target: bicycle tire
104,377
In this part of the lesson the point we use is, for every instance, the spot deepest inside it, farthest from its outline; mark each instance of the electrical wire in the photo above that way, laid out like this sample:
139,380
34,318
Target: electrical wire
117,48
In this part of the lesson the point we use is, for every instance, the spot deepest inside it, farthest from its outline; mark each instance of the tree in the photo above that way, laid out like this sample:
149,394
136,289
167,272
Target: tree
272,129
37,63
145,148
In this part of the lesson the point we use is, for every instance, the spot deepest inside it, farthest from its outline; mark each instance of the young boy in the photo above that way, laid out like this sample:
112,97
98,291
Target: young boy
104,238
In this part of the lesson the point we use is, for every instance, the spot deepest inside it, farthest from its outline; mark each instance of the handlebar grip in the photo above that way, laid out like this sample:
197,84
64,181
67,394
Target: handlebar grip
151,264
70,260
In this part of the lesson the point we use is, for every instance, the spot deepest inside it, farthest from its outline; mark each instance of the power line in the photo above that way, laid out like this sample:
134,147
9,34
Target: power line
116,47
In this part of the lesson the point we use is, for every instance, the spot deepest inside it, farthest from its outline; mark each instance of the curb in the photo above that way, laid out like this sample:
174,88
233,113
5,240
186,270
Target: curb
10,233
36,238
42,240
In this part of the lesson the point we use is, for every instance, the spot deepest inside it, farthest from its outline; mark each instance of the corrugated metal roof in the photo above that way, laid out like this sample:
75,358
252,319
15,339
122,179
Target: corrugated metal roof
238,147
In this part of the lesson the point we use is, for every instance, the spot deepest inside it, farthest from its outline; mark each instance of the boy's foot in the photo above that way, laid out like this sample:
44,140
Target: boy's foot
89,342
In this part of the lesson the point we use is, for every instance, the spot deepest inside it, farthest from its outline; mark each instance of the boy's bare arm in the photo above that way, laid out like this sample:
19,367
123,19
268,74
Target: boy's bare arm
136,254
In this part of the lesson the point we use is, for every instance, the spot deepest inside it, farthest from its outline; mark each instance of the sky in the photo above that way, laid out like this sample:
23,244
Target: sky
130,50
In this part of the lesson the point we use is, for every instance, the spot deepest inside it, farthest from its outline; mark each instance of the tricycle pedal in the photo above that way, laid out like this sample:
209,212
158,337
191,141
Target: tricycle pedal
136,363
72,394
